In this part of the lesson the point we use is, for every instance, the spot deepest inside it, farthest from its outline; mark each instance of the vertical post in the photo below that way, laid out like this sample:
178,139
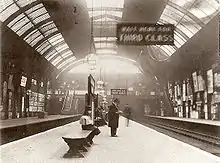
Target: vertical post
93,112
209,101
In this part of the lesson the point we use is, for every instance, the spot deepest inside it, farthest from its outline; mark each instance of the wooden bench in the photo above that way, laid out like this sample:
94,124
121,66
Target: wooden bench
79,140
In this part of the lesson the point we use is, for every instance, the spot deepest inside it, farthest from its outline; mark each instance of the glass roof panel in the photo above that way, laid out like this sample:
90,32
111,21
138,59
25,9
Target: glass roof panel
66,62
183,3
36,13
97,13
111,38
111,65
34,8
55,37
15,20
67,54
8,12
101,3
169,19
53,55
105,18
57,41
166,50
4,4
50,54
20,23
105,45
41,18
32,37
36,40
24,28
62,47
204,6
57,60
214,3
105,38
50,31
177,44
173,13
47,26
198,13
29,34
183,13
23,3
106,51
43,47
185,30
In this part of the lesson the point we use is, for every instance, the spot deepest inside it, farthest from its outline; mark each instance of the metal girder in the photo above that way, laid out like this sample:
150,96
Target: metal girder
45,38
105,41
105,22
179,31
105,9
21,10
59,63
52,48
113,48
35,27
59,54
108,16
184,11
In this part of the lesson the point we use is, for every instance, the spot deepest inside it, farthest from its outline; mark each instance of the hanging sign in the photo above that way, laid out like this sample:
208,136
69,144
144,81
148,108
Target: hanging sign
118,91
145,34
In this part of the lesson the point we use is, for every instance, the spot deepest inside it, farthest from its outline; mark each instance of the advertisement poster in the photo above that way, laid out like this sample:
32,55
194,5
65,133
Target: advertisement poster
201,83
184,91
23,81
217,80
210,81
195,82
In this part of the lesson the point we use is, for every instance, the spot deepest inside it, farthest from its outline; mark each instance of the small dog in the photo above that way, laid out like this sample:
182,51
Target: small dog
76,144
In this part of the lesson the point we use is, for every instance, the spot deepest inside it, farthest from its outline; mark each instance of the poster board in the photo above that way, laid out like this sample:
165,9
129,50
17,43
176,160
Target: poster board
195,82
210,83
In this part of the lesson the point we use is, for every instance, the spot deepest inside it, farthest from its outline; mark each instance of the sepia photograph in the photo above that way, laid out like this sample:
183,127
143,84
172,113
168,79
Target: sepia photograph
109,81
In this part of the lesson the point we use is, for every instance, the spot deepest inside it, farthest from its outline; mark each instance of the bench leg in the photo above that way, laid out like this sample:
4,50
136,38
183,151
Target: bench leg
73,153
83,148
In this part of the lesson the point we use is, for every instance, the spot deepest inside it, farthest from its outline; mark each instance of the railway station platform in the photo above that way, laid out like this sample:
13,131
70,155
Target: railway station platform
192,120
14,129
208,127
134,144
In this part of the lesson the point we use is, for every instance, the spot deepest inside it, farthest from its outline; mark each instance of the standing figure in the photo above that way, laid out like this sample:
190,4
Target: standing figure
113,117
127,114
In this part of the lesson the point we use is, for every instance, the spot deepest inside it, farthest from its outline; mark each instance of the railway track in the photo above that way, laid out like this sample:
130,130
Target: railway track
201,137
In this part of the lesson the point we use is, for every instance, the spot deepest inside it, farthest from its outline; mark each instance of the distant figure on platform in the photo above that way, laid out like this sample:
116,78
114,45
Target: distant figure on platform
113,117
127,114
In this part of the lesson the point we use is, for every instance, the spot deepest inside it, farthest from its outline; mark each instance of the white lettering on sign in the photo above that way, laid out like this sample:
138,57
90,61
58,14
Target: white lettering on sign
118,91
147,29
129,29
163,38
164,29
131,37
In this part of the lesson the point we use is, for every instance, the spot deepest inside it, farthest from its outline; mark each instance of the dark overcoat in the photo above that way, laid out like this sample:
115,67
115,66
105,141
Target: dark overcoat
113,116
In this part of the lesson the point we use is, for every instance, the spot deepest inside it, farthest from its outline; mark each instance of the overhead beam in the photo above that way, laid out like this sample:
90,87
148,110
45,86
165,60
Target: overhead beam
105,9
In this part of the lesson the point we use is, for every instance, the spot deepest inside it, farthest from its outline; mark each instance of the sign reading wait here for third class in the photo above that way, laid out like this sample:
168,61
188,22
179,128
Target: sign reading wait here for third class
145,34
118,91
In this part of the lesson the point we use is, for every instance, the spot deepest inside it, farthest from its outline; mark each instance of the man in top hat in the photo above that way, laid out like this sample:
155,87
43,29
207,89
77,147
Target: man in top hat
113,117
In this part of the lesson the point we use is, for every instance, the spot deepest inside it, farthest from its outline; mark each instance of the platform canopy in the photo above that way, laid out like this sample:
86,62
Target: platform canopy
62,34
